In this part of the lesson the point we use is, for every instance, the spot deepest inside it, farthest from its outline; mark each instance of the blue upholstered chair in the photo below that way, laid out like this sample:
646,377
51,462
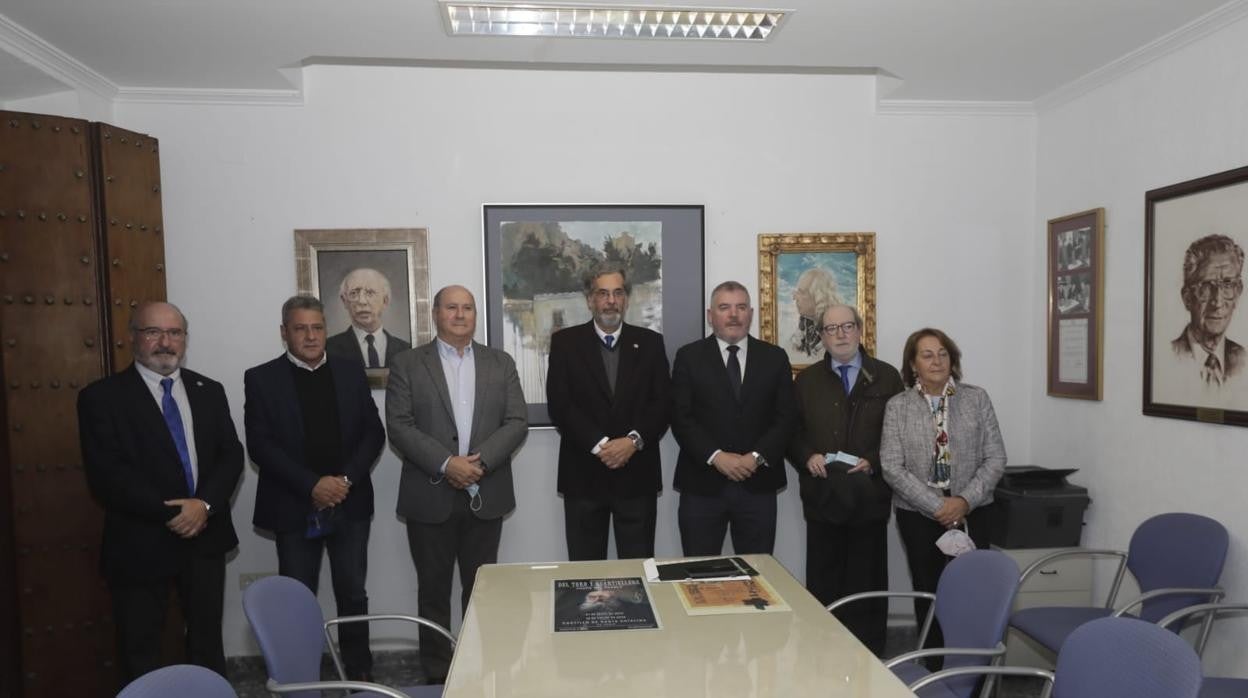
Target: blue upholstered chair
1214,687
972,603
1107,658
292,634
181,680
1176,559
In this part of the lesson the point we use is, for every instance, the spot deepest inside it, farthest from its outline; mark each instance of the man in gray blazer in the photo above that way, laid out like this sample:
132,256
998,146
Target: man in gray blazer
456,414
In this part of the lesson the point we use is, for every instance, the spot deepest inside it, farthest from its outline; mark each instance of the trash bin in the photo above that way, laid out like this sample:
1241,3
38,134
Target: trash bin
1037,508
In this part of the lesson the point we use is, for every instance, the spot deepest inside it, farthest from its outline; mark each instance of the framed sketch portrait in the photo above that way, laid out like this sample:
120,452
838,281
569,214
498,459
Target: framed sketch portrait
1195,363
536,261
800,275
375,287
1076,263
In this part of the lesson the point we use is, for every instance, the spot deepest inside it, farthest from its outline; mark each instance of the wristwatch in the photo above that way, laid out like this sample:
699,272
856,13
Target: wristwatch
758,458
207,507
638,442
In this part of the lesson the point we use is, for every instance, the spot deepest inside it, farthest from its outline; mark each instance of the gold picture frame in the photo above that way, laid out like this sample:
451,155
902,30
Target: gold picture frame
817,264
324,257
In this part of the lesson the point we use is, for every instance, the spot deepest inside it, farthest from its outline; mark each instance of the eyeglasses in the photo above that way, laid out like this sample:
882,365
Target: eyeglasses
153,334
355,293
1226,288
603,294
845,327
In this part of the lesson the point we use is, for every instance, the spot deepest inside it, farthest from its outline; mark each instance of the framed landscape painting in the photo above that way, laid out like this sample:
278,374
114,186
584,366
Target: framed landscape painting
537,258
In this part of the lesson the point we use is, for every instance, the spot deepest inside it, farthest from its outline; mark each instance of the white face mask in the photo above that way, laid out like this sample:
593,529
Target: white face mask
954,542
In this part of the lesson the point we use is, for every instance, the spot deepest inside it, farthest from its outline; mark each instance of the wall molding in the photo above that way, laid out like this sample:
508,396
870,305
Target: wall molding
206,96
32,49
1191,32
933,107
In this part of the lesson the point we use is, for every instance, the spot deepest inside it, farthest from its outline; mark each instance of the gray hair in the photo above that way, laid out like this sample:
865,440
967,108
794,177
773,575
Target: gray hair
385,283
1203,249
301,302
857,318
601,271
730,286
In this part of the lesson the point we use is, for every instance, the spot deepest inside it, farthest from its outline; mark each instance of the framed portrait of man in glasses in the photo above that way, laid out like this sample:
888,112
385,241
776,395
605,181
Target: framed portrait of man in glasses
375,287
1195,362
801,275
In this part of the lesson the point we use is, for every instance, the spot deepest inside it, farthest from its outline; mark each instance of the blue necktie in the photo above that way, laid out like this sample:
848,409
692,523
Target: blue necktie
173,419
609,340
844,369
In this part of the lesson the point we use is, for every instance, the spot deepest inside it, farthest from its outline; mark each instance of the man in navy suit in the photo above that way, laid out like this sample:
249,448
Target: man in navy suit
365,294
607,390
314,433
162,458
732,414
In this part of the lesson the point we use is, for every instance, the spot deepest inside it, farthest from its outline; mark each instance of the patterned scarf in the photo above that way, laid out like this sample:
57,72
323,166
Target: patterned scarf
942,457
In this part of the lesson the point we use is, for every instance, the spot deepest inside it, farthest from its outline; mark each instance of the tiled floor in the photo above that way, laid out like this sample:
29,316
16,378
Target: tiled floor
402,668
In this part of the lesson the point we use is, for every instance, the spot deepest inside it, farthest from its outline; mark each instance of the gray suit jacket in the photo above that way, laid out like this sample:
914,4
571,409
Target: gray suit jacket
421,425
906,449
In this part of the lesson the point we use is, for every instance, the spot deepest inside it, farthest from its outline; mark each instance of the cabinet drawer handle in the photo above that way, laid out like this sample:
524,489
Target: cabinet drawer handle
1048,572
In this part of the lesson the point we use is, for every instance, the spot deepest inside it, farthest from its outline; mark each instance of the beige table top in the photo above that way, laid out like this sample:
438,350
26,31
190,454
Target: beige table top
508,648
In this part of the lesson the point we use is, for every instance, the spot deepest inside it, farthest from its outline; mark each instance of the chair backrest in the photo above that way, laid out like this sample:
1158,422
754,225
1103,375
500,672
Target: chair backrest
973,601
181,680
289,628
1126,657
1176,550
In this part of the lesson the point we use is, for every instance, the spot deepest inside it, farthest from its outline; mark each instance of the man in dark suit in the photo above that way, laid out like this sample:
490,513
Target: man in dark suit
1213,269
313,432
732,413
456,414
162,458
607,390
840,405
365,293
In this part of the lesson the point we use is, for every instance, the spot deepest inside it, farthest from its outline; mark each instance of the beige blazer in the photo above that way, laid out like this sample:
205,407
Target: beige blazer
906,449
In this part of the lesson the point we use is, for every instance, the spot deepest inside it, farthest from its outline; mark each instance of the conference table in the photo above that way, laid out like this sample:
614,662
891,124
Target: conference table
508,647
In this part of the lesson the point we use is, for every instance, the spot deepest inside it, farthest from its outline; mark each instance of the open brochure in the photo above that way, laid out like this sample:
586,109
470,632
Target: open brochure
750,595
610,603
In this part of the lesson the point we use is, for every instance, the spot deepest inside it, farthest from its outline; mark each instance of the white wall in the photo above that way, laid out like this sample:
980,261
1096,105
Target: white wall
1179,118
949,197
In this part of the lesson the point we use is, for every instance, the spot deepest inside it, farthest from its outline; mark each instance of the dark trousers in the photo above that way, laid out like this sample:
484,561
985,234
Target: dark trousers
300,557
843,560
139,610
918,537
435,549
703,521
586,521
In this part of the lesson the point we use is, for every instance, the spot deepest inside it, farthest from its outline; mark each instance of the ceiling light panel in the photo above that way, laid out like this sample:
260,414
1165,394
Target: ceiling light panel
609,22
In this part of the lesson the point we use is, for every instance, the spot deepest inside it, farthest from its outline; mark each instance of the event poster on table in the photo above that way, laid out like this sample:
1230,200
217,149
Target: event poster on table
611,603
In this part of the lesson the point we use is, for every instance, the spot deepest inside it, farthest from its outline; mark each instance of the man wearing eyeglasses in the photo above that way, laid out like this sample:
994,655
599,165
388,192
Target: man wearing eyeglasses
1212,283
836,452
607,390
365,293
162,458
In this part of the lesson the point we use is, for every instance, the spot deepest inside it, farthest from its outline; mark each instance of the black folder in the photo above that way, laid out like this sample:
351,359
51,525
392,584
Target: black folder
703,569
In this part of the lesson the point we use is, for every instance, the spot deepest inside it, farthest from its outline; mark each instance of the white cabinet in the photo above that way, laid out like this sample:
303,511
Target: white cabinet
1065,582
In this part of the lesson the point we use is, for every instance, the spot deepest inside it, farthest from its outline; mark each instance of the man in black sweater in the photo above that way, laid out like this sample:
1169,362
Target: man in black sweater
314,433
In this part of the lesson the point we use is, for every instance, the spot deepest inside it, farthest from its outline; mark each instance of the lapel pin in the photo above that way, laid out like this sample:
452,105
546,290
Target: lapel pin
199,384
634,346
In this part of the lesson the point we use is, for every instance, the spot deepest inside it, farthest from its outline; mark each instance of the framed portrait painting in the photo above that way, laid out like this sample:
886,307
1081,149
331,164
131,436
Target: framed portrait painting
1195,363
537,258
1076,263
800,275
375,287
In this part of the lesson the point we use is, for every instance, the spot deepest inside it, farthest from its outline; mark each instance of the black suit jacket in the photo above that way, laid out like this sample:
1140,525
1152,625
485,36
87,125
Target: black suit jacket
345,346
706,416
584,409
829,421
132,467
273,422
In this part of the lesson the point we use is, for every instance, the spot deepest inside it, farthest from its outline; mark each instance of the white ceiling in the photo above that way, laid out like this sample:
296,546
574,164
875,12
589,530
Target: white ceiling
980,50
